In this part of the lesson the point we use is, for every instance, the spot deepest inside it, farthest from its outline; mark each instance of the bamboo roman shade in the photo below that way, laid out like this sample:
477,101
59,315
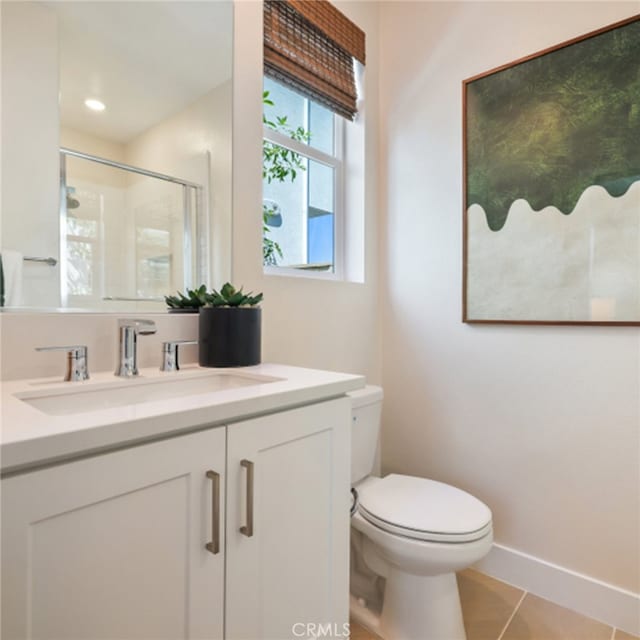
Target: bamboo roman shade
309,45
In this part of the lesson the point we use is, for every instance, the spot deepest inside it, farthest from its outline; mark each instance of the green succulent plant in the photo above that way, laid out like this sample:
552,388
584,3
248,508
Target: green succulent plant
228,296
194,299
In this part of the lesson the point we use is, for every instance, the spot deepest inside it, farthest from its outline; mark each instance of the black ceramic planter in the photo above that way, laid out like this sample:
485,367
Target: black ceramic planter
229,336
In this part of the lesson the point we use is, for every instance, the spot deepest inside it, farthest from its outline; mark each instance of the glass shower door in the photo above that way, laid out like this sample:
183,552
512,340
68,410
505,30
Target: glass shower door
127,234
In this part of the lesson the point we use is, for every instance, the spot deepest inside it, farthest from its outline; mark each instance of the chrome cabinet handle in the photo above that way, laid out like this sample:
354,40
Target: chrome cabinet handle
77,361
247,529
214,545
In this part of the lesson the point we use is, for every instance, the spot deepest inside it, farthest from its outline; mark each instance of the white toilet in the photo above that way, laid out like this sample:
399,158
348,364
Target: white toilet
413,532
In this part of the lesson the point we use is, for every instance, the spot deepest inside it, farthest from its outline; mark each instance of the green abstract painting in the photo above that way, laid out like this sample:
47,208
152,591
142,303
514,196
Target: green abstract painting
556,134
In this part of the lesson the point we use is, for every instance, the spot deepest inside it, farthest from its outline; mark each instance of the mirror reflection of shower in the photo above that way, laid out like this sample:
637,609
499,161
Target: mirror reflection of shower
118,220
72,201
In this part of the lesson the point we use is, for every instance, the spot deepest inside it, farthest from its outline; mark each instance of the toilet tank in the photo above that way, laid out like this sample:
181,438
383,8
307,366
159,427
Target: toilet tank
366,408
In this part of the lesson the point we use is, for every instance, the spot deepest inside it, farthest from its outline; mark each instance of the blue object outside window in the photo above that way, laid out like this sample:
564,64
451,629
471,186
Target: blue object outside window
320,238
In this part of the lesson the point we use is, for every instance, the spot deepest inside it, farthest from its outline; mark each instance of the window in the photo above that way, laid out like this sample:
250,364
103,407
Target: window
312,54
302,162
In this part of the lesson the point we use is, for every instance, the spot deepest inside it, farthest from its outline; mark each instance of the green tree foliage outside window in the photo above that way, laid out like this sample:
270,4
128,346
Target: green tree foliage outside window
281,164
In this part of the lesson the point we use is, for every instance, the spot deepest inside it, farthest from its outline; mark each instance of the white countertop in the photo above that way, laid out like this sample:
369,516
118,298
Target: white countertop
30,437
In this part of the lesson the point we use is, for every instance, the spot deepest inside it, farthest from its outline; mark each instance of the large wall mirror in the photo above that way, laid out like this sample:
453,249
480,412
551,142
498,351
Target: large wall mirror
116,151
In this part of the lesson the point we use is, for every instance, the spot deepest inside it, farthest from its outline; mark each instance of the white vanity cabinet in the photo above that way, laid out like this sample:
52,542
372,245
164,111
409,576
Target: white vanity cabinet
291,567
115,545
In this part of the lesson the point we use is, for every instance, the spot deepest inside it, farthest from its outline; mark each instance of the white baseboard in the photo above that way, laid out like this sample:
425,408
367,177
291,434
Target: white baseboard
593,598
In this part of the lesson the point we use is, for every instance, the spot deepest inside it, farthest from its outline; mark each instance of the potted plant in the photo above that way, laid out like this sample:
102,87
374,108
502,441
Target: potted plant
190,303
229,331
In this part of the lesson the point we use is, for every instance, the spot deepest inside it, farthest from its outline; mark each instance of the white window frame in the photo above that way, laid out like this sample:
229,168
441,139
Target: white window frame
336,162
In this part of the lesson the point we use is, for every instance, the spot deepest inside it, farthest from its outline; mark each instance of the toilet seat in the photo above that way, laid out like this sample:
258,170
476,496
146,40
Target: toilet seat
424,509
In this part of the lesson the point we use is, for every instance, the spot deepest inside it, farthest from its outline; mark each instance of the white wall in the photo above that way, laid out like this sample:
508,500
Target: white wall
30,181
92,144
313,323
542,423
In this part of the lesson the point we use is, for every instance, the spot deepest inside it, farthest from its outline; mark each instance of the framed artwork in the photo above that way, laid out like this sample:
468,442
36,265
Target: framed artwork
552,185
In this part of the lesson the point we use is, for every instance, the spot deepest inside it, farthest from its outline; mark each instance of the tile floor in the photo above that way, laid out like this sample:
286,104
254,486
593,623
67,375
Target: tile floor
494,610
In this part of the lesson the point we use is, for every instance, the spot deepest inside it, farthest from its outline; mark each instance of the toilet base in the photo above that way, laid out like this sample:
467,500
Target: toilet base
421,599
417,608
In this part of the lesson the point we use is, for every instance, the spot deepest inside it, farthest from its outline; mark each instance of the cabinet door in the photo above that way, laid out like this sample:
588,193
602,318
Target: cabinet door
113,546
293,568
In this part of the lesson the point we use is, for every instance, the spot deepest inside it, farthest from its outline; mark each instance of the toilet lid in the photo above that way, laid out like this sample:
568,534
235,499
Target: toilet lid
424,509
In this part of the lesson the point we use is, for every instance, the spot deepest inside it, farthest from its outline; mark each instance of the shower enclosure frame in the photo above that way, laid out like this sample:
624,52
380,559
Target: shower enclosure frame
191,192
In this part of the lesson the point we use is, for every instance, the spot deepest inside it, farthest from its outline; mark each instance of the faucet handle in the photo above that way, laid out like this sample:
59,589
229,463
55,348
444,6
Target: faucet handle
141,326
170,354
77,361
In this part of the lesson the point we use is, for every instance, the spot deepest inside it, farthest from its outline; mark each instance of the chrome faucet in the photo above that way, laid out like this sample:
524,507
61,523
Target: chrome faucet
129,330
77,361
170,354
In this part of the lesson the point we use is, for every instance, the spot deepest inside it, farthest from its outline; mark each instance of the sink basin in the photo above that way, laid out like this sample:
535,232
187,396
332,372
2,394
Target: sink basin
122,393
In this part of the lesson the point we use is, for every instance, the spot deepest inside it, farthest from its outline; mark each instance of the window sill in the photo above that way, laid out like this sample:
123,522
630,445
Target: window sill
302,273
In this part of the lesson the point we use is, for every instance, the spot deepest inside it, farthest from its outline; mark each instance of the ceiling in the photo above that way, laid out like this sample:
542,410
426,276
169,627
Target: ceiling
144,60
